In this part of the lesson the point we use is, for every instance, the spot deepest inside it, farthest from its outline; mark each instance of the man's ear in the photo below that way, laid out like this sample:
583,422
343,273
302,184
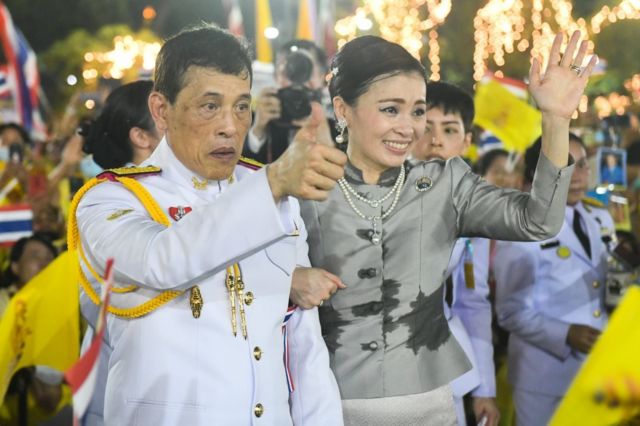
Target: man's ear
468,137
159,107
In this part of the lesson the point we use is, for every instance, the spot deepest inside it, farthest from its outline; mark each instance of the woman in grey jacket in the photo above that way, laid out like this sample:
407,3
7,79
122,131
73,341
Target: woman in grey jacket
388,228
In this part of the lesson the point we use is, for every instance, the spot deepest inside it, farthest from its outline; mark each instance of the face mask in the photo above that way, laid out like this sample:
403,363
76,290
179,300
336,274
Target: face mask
4,153
89,168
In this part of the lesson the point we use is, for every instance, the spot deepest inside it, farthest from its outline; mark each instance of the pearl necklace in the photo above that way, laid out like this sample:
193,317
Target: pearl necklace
376,235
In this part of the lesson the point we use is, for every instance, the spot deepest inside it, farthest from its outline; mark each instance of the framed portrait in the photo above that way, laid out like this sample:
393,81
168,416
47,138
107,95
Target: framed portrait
611,167
619,210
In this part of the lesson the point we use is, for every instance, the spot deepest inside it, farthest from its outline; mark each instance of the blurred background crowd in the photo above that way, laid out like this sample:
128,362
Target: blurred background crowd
63,120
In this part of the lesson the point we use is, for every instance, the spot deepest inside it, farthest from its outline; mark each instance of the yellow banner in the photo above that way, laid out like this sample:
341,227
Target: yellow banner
41,325
512,120
304,30
263,21
606,390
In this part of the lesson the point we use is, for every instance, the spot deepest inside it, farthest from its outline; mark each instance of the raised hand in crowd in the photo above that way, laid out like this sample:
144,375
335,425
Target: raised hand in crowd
267,109
558,90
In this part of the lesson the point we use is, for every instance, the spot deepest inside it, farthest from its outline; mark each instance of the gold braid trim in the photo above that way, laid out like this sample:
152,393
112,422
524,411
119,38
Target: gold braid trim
129,313
98,278
73,238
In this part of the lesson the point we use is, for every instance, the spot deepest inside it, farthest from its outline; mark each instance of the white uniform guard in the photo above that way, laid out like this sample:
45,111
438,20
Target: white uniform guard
542,288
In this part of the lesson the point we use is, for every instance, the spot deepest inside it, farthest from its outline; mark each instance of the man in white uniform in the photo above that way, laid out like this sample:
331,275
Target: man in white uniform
550,297
209,246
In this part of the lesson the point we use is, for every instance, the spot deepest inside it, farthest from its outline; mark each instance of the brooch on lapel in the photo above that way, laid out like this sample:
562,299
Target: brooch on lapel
423,183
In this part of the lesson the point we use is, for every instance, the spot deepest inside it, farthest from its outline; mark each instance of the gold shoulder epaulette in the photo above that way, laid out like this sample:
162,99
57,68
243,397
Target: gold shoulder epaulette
132,172
592,202
250,163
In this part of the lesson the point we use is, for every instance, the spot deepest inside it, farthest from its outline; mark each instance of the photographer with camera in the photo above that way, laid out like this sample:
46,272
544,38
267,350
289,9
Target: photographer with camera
300,70
14,179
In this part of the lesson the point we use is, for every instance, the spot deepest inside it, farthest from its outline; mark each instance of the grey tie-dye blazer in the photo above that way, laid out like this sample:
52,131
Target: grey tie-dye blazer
386,332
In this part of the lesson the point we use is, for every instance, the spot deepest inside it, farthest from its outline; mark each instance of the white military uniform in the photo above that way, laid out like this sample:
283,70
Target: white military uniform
541,289
170,368
469,320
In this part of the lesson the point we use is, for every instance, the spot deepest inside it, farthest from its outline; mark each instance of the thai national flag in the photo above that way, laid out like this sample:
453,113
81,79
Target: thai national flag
16,221
5,87
22,75
83,374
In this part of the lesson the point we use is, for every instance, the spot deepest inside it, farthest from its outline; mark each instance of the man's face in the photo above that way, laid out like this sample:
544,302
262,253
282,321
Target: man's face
444,137
580,176
207,124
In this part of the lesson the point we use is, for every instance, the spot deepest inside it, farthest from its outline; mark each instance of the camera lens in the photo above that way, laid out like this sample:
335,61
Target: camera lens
298,67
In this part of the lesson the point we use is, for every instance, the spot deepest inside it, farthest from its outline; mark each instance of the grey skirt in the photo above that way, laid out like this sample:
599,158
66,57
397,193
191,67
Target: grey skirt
430,408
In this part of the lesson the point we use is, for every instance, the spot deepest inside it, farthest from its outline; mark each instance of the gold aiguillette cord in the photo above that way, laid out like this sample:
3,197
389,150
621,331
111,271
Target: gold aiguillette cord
231,288
240,290
235,287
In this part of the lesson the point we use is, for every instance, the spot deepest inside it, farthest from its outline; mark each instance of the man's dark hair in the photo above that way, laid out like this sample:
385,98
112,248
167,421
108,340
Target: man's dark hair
451,99
319,54
485,162
205,45
533,152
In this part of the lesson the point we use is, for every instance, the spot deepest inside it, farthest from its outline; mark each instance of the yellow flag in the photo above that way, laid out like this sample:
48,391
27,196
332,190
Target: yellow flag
41,324
606,390
263,21
305,28
512,120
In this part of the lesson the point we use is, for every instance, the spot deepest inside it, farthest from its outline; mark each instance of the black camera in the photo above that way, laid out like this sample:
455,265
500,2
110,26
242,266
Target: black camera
296,99
16,153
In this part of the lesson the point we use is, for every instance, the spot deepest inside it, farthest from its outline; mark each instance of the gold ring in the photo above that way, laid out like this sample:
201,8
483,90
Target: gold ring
321,302
576,69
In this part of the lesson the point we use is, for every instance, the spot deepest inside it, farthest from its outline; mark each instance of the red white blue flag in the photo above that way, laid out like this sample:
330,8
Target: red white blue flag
16,221
22,76
82,376
285,341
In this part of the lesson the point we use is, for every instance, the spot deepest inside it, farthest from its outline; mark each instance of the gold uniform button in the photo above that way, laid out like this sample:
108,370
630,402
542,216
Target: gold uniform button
257,353
595,284
258,410
597,313
248,298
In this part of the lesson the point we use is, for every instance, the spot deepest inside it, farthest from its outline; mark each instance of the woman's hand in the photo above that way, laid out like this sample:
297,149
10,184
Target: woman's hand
557,92
310,287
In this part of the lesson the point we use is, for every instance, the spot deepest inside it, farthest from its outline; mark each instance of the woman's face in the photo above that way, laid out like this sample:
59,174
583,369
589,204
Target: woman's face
386,122
35,258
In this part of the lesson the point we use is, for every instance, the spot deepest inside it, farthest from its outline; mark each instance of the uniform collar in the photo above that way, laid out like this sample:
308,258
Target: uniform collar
569,213
387,178
174,170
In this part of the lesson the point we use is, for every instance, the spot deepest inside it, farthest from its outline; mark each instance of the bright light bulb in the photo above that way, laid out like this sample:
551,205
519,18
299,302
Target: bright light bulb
271,33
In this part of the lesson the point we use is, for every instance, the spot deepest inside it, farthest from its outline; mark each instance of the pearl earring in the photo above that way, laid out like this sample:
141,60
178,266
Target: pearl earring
342,127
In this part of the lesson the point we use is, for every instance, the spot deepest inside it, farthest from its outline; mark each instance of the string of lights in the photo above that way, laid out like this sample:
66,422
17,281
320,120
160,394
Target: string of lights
402,21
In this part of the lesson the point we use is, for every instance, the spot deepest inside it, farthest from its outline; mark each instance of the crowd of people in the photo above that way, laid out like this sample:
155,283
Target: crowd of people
366,275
